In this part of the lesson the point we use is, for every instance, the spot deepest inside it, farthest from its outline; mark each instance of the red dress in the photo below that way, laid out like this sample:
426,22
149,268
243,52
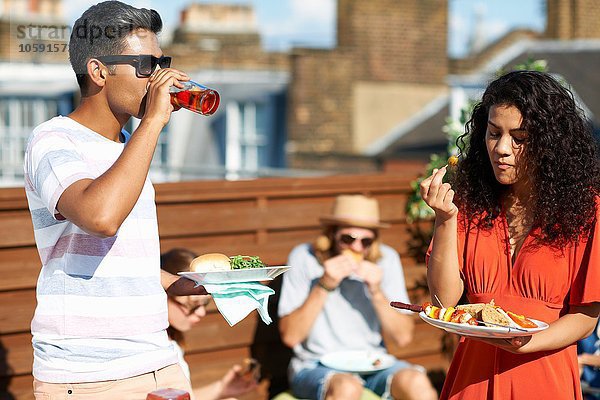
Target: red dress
541,284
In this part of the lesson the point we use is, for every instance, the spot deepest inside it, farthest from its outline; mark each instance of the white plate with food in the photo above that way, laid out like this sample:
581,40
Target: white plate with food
486,320
358,361
484,331
236,275
218,268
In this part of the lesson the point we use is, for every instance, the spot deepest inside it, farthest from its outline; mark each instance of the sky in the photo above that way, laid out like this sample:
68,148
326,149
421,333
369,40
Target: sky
311,23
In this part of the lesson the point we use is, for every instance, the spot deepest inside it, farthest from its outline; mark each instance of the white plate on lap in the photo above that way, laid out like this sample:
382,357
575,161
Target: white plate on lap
483,331
358,361
236,275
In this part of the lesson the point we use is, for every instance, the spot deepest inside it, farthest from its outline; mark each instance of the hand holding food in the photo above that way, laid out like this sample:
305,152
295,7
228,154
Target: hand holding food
336,269
240,379
356,256
371,274
439,195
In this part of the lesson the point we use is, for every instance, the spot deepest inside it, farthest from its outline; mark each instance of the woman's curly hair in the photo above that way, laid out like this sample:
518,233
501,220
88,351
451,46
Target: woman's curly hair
561,158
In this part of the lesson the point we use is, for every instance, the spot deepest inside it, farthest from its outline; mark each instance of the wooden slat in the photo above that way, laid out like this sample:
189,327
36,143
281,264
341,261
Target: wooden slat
278,245
209,366
19,268
16,310
17,387
213,332
392,206
207,218
274,252
281,187
414,274
243,216
426,340
19,354
17,229
13,199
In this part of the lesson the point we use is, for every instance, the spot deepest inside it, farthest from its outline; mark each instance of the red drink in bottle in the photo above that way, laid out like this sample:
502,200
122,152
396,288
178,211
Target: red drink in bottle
168,394
195,97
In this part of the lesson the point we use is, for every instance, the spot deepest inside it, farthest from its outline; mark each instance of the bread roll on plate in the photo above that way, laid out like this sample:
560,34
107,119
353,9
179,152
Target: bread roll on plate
211,262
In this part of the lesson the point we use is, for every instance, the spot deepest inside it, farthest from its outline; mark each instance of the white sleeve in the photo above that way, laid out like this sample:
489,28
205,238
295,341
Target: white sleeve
296,283
52,164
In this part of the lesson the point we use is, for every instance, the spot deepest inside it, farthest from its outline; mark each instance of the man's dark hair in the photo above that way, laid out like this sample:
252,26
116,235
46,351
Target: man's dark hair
101,31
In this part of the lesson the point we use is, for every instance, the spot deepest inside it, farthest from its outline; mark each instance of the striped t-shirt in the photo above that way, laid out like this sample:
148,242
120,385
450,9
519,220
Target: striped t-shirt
101,310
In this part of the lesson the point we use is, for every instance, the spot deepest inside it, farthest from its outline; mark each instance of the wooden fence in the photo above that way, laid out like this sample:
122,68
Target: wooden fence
264,217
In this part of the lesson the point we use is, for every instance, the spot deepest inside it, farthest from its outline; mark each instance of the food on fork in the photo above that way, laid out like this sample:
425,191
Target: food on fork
215,262
453,161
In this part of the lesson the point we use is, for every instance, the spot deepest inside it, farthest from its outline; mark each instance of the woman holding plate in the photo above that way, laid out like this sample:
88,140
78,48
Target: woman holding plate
519,225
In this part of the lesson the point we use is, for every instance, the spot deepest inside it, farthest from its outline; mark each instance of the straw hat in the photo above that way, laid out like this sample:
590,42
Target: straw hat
355,210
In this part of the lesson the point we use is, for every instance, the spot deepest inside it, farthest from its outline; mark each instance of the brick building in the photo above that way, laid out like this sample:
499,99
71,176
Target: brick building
221,36
390,62
570,45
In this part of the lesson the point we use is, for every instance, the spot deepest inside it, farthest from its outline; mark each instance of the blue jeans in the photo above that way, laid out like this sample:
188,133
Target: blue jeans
309,383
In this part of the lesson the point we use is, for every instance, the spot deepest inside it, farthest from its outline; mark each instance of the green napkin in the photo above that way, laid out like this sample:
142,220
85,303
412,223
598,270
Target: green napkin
236,300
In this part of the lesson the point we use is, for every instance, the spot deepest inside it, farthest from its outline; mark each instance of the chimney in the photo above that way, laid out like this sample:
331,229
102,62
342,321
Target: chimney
574,19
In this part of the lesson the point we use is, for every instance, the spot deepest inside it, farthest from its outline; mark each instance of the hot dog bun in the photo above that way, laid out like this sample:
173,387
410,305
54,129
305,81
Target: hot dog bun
211,262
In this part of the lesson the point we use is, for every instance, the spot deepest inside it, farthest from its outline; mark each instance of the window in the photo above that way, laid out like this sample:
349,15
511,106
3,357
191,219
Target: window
18,117
246,142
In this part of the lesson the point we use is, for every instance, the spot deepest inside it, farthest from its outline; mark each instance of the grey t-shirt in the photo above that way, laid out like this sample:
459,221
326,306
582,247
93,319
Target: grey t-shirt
348,320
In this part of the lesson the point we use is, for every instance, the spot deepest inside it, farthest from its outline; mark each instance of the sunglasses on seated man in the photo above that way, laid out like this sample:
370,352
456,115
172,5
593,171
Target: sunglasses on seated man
144,64
349,239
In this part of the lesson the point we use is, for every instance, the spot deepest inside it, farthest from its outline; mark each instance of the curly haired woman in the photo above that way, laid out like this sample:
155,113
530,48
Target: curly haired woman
519,225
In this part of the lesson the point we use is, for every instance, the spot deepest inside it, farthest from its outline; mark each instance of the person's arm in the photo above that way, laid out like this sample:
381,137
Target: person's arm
394,325
296,326
592,360
578,323
178,286
385,282
232,384
443,271
99,206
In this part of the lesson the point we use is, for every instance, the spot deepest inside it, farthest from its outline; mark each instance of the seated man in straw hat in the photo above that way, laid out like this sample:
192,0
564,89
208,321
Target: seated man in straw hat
336,298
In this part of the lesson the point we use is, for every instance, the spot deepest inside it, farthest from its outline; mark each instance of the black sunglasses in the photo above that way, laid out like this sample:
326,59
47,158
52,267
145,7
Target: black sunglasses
144,64
349,239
